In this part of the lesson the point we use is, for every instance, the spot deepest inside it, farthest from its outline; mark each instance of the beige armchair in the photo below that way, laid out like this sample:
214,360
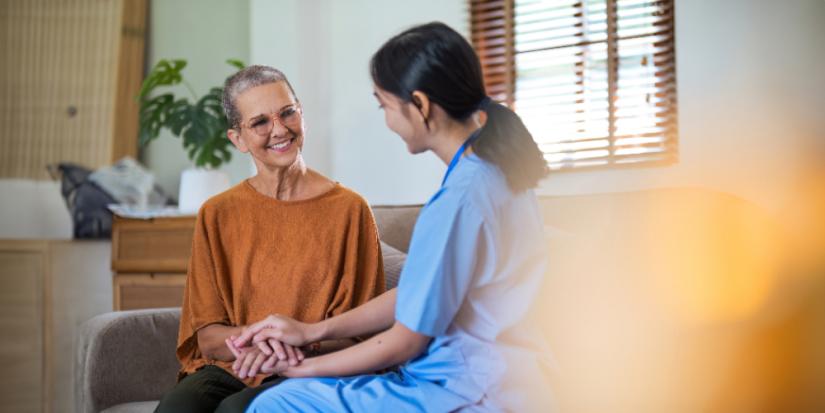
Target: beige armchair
126,360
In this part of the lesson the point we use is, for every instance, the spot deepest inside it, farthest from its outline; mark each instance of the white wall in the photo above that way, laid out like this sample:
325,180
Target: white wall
289,35
33,209
749,84
751,94
324,47
366,155
205,33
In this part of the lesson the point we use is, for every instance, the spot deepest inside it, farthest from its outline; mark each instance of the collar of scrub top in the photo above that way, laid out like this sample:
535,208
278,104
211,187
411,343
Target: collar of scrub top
473,136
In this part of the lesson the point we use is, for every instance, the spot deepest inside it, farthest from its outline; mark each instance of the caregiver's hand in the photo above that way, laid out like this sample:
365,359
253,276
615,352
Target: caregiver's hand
279,328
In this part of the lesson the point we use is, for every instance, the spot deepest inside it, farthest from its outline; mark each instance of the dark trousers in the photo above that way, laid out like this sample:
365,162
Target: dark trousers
211,389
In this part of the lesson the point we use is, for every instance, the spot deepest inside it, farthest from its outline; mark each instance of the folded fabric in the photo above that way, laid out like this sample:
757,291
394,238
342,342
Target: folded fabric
129,183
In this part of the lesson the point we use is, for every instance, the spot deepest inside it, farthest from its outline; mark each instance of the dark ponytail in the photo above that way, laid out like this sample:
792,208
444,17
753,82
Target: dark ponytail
438,61
506,142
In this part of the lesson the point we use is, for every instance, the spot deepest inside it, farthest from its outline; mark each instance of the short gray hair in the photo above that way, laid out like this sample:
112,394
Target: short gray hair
245,79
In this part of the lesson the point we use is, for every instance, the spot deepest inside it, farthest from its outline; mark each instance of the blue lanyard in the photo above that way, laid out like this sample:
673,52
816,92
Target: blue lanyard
458,154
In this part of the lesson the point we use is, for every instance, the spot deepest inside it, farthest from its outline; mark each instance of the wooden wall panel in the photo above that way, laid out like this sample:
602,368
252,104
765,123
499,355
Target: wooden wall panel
130,68
64,62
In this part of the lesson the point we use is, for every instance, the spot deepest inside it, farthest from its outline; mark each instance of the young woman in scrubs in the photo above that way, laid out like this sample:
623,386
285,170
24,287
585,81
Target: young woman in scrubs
475,261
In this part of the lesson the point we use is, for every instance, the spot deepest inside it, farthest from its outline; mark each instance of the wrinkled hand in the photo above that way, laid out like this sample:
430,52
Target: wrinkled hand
268,357
274,327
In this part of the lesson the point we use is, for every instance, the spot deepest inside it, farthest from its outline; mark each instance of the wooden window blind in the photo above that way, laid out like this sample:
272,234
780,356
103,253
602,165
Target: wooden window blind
593,80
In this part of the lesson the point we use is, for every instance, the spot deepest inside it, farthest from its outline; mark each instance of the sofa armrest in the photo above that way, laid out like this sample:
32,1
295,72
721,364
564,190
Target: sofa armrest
125,356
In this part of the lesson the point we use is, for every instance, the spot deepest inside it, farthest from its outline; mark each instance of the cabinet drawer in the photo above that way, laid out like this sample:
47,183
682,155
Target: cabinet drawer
136,291
152,246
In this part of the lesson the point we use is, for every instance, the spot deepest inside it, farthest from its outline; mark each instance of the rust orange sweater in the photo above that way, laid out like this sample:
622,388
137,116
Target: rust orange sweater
253,255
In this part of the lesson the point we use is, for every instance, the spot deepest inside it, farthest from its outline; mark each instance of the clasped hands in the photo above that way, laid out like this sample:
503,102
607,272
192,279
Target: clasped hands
270,346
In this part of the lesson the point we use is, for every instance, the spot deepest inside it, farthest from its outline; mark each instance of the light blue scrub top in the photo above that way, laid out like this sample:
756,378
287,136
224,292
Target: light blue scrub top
475,262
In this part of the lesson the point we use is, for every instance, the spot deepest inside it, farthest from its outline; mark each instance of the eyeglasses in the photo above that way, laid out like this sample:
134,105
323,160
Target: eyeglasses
289,117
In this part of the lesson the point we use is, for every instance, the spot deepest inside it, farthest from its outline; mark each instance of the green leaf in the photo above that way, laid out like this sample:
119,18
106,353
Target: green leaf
214,151
178,117
165,73
237,63
203,123
153,116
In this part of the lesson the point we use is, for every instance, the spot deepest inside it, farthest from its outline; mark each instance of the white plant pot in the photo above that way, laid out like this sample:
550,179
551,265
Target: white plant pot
197,185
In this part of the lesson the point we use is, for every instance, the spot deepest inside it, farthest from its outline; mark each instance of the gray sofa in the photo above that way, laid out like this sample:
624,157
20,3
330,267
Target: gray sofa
126,360
643,290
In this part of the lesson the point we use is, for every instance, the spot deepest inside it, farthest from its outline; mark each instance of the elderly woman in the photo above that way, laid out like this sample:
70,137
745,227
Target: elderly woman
286,241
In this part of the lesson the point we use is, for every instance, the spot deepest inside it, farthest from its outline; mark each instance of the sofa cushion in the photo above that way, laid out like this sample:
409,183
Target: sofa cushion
136,407
393,263
395,224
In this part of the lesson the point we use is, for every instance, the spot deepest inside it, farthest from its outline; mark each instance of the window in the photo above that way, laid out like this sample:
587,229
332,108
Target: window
593,80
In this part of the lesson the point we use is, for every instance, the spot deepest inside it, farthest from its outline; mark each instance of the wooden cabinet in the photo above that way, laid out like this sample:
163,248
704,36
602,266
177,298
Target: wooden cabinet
21,298
47,289
149,260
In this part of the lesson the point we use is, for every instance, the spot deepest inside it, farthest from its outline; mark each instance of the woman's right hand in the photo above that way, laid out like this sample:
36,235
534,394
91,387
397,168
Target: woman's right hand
276,327
262,358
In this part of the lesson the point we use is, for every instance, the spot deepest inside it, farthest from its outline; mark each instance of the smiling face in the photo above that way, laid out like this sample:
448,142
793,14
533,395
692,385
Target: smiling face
271,127
400,118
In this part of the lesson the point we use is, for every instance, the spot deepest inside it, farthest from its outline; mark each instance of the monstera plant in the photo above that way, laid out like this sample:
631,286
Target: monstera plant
199,122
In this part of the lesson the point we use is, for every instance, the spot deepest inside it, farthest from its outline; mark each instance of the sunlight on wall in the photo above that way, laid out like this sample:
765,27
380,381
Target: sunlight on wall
685,300
718,257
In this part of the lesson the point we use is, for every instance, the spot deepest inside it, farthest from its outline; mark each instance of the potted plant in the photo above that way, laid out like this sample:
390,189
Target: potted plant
200,124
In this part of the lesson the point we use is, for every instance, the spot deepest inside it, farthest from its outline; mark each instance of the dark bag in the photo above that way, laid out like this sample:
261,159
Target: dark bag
86,202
